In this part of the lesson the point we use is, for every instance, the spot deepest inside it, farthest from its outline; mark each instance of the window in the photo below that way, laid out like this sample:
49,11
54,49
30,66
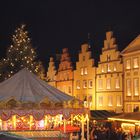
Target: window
90,83
100,101
84,84
136,87
83,58
136,108
128,64
108,84
100,84
108,68
135,63
102,68
82,71
69,89
117,83
78,84
110,101
108,57
129,107
85,71
65,76
119,101
128,87
115,67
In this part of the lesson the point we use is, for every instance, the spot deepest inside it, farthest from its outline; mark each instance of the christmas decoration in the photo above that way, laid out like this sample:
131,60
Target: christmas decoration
19,55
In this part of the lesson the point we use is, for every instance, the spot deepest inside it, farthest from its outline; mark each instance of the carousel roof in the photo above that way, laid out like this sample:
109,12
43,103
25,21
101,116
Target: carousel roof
24,86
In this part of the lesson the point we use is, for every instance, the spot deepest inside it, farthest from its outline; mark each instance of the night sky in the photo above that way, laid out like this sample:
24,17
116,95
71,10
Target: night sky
55,24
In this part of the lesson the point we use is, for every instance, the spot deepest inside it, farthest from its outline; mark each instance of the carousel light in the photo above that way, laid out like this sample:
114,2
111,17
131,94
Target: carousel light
41,123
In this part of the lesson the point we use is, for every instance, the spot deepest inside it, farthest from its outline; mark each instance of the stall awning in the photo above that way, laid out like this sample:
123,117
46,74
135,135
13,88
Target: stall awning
127,117
101,114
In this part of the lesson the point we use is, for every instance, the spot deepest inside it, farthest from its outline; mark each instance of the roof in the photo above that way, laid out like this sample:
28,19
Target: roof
128,116
101,114
133,46
24,86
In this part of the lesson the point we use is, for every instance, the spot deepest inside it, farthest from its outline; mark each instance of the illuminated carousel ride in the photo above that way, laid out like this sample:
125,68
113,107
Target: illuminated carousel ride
30,104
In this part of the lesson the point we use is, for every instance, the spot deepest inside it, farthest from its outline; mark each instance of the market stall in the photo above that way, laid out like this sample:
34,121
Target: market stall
129,122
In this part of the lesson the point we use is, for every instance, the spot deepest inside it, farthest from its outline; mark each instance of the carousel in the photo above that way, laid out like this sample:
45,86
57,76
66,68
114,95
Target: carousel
29,104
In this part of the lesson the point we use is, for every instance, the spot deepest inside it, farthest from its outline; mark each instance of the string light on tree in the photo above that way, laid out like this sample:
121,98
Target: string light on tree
19,55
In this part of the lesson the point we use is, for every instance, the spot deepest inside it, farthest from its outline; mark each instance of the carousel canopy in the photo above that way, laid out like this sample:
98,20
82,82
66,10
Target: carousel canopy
24,86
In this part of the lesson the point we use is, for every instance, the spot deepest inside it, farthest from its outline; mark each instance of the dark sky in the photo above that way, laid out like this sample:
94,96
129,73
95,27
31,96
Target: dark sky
55,24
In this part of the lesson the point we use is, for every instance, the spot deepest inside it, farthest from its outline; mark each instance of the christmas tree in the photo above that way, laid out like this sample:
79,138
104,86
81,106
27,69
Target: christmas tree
20,55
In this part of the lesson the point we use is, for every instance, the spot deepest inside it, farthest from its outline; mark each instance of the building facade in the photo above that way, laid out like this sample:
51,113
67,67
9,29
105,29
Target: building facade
109,92
84,78
64,77
51,73
131,64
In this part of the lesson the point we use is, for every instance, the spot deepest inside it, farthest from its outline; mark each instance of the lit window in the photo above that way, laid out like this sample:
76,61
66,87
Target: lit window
100,84
117,84
119,101
100,101
136,87
108,67
90,83
128,64
115,67
84,84
128,87
78,84
108,84
135,63
82,71
110,101
102,67
108,57
85,71
129,108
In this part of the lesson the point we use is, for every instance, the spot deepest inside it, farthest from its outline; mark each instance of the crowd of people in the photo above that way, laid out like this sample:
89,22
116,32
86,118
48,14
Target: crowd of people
106,133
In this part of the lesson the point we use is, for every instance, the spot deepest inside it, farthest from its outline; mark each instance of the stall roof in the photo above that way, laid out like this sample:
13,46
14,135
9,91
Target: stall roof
101,114
131,117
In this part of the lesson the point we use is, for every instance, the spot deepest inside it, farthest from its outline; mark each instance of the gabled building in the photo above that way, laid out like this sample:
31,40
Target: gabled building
64,77
131,64
51,73
109,90
84,77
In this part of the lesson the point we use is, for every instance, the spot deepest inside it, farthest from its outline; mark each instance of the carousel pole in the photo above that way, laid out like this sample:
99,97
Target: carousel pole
0,124
31,120
82,138
45,122
14,121
64,125
87,126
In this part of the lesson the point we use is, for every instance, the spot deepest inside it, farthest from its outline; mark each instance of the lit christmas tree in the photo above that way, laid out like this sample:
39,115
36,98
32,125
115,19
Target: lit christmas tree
20,55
